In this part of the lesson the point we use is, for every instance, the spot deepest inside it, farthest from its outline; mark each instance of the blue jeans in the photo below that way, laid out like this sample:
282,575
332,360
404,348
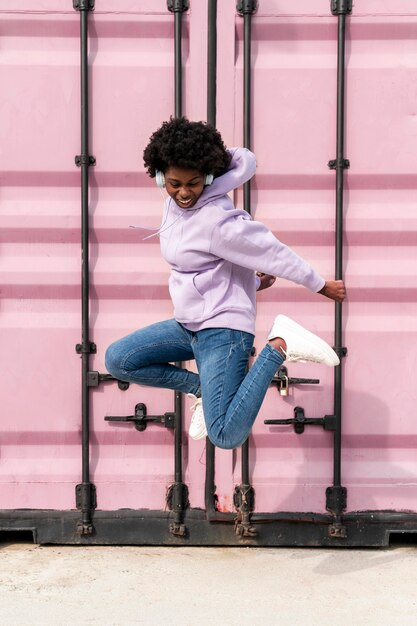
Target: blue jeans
232,396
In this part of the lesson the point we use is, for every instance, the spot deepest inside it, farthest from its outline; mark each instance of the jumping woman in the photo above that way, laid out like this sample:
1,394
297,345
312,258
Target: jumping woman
219,257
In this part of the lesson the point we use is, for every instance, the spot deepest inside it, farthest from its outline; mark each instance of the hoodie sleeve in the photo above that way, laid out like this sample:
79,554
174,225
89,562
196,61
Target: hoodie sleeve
251,244
241,169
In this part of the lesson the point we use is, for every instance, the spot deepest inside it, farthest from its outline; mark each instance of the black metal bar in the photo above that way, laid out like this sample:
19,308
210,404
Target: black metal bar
145,527
212,62
247,94
178,62
177,498
336,495
244,497
85,492
210,498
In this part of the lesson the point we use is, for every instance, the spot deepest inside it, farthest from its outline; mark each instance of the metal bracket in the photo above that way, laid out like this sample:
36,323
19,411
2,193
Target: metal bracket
85,496
85,500
335,164
341,7
246,7
300,421
177,501
95,378
336,499
340,351
178,6
336,503
244,502
282,381
141,419
86,348
84,159
83,5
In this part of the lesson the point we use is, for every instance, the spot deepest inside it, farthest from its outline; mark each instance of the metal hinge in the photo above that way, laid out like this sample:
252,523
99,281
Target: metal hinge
299,421
178,6
246,7
141,419
83,5
341,7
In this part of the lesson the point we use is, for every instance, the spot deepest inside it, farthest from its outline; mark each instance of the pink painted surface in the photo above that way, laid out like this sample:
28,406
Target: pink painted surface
294,80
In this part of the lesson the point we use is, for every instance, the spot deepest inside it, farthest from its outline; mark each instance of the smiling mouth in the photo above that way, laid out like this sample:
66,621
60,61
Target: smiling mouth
185,202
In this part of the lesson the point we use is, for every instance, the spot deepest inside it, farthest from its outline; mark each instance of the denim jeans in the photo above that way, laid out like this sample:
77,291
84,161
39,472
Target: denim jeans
232,396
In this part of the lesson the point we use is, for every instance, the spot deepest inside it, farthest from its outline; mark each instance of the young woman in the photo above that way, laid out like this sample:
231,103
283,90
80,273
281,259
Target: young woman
215,252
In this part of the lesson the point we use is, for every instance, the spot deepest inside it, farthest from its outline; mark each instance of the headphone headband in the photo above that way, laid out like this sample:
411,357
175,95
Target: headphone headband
160,179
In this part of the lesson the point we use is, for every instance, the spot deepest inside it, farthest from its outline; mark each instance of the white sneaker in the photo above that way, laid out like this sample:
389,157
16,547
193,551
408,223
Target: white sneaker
302,345
197,428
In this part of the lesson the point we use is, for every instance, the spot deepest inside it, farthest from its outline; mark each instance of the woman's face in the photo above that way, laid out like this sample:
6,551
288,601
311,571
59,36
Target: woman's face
184,186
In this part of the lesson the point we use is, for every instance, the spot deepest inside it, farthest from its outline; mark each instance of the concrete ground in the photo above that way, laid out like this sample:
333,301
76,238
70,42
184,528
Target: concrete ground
118,586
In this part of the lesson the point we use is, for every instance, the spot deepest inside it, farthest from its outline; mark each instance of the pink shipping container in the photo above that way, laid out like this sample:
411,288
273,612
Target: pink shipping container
150,484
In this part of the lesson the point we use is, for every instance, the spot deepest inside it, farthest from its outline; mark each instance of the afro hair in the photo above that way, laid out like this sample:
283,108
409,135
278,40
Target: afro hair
189,145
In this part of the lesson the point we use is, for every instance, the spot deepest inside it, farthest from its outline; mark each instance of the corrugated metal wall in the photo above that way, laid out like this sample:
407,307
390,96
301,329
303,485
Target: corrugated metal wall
294,121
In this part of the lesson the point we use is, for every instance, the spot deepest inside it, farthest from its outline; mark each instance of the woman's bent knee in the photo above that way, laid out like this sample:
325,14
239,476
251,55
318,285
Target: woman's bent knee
112,360
226,443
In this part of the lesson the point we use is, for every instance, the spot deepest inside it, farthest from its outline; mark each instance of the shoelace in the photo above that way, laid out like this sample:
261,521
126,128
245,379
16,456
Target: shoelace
198,404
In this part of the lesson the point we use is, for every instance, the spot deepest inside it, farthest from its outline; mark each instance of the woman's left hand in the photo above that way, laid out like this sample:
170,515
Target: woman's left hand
266,280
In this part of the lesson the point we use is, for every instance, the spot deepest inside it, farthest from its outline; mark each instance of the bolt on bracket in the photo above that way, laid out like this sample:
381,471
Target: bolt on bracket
84,159
341,7
95,378
83,5
178,6
336,164
246,7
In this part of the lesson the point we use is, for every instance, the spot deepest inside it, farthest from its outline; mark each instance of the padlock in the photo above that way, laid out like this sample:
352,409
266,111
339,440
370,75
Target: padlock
283,387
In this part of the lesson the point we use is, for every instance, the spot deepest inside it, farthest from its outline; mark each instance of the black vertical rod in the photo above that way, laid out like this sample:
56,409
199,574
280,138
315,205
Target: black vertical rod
212,62
85,492
178,113
179,501
247,112
337,494
247,109
339,243
244,493
178,62
210,488
85,247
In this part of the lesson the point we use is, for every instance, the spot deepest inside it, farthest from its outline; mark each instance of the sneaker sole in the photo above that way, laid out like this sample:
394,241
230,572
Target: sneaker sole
287,323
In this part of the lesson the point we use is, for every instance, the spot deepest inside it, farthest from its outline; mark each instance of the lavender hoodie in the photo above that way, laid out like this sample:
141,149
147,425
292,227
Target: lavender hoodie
214,251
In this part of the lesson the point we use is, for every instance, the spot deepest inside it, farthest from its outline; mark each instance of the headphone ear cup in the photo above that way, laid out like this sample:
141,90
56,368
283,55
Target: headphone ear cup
208,179
160,179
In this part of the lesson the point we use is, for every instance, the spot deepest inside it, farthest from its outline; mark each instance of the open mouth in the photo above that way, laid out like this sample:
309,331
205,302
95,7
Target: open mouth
185,203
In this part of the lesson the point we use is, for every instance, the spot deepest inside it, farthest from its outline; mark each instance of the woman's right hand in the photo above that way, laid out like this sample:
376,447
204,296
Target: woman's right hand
334,289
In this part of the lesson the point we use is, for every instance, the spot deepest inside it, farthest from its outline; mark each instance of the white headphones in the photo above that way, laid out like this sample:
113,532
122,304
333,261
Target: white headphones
160,179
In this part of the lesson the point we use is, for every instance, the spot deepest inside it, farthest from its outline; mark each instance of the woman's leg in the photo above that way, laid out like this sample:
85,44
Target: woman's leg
145,357
232,396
